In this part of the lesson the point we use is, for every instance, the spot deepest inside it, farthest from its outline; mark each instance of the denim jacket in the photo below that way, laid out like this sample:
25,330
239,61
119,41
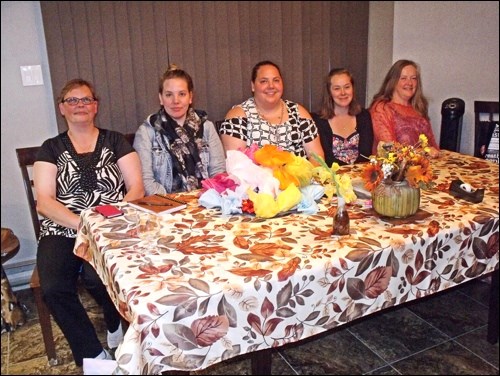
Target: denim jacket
157,172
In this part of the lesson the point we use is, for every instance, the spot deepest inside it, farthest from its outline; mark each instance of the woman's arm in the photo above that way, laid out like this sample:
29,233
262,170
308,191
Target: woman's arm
326,138
383,124
313,146
130,166
143,144
230,142
365,130
44,178
217,162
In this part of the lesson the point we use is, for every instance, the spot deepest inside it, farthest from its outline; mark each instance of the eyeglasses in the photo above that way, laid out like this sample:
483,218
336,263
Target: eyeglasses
73,101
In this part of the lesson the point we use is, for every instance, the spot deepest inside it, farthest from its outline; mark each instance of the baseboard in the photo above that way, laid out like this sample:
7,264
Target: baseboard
21,280
19,274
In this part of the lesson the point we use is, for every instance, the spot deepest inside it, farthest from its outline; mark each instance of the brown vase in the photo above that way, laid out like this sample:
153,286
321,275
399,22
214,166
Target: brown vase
341,219
395,199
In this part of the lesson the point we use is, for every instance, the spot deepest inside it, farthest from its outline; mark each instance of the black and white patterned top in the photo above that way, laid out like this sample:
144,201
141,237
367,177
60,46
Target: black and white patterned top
84,180
253,129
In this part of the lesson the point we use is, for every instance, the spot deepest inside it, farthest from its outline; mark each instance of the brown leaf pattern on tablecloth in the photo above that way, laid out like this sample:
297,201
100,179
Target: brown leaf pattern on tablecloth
215,287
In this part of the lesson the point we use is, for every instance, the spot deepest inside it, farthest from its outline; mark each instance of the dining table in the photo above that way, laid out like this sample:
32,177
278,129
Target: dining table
214,286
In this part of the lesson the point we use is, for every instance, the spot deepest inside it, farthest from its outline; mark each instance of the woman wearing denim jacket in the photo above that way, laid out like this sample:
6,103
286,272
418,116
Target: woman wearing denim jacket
178,146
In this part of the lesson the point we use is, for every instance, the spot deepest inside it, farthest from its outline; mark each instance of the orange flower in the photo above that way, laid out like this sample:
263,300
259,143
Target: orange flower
372,175
285,178
287,168
273,157
419,172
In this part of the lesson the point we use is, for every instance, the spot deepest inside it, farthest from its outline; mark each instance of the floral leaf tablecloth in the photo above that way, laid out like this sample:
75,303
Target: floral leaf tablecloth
215,287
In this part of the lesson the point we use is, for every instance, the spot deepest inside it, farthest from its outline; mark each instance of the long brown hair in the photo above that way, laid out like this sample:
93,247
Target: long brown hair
327,110
418,101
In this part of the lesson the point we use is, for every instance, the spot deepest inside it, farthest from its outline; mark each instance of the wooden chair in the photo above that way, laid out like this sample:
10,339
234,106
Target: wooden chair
218,124
483,129
26,158
130,138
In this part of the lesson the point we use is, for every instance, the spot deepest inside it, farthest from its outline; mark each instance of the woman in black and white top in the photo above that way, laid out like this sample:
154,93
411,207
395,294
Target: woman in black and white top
266,118
81,168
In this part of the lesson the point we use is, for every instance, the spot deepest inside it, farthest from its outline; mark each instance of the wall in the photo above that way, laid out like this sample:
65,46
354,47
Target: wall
379,45
455,43
28,117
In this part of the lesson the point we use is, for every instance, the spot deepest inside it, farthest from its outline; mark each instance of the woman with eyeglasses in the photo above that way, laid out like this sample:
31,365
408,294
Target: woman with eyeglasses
80,168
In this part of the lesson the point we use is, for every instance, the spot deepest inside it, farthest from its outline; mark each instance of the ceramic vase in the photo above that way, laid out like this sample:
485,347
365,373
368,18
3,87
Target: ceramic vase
395,199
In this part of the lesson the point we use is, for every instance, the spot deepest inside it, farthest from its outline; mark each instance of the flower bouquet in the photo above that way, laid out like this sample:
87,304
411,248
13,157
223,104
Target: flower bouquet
266,182
398,162
395,176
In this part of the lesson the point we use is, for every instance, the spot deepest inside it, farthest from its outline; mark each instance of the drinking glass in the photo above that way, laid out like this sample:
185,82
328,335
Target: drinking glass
148,229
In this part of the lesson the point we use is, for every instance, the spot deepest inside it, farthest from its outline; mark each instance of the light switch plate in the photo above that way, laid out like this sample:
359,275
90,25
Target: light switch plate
31,75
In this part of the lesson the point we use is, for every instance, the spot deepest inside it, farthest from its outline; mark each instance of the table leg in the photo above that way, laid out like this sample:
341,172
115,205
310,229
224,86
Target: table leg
493,310
261,362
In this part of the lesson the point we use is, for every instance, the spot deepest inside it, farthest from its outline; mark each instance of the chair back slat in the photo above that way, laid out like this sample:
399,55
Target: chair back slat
26,158
483,129
130,138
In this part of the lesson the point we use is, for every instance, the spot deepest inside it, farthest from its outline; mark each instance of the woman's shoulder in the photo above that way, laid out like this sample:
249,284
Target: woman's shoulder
54,140
378,104
117,141
318,119
111,133
235,112
51,148
364,114
303,112
111,136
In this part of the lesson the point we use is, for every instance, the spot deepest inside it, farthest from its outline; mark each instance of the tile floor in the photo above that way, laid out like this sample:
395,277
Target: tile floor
441,335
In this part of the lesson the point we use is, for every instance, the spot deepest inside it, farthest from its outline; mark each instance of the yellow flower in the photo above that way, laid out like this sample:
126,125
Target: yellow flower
332,182
266,206
288,198
301,168
423,140
335,167
345,188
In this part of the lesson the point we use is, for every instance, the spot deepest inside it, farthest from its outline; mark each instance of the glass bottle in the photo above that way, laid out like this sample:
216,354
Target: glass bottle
340,219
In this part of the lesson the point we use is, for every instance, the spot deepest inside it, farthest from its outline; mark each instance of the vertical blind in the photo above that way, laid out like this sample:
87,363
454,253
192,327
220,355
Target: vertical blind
124,47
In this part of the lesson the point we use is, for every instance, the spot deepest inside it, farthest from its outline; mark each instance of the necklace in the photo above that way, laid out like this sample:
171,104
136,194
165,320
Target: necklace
86,163
342,125
268,119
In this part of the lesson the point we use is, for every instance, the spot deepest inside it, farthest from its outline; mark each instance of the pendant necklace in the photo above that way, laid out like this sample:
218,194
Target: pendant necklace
265,118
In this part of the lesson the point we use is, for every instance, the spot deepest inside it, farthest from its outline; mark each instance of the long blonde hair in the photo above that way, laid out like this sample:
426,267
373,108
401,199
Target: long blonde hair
418,101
